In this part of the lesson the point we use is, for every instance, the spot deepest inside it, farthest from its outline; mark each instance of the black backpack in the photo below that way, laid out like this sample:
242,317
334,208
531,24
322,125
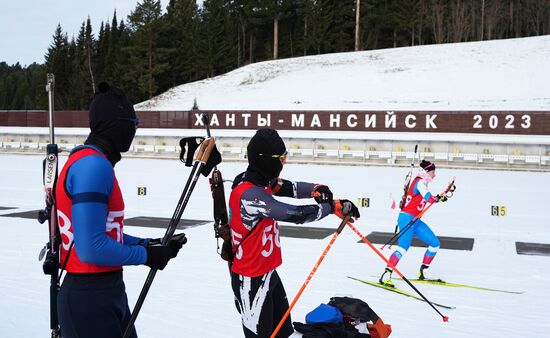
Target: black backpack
354,308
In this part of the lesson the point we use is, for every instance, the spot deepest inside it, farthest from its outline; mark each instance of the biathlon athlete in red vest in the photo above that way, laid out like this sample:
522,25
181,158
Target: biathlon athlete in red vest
259,293
92,300
417,199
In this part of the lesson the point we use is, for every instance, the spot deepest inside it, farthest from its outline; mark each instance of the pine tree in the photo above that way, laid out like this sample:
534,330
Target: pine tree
103,42
58,63
238,13
290,28
78,80
305,10
218,38
36,78
319,25
340,34
21,97
180,35
146,58
113,61
22,88
5,85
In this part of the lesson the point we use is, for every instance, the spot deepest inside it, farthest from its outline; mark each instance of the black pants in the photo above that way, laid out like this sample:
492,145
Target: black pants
262,303
93,305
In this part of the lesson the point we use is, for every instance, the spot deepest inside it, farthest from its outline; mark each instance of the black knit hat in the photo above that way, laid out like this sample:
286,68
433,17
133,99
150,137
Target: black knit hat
264,144
427,165
112,117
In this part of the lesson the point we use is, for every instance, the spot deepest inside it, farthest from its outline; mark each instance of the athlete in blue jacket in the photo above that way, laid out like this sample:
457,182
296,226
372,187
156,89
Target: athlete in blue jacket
92,300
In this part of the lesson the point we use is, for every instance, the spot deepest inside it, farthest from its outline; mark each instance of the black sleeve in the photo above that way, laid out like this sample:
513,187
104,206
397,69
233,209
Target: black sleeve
286,188
282,187
257,203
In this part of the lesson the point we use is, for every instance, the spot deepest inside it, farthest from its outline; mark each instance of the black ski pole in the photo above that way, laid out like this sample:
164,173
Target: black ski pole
51,250
206,121
398,235
203,154
448,192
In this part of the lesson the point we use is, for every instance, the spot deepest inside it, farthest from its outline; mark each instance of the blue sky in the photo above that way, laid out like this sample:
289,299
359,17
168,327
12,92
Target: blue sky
27,26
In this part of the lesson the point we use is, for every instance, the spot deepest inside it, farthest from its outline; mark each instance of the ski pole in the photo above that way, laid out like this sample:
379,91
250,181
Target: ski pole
287,313
203,154
445,318
398,235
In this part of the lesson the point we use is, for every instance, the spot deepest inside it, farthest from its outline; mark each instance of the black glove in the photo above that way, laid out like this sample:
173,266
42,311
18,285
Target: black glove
441,198
342,208
178,237
159,255
322,194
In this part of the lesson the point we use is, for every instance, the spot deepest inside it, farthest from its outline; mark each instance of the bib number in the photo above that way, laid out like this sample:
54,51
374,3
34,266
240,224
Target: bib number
270,238
236,239
64,229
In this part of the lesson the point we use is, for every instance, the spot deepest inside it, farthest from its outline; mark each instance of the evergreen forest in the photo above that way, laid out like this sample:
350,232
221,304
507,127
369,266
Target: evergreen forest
154,49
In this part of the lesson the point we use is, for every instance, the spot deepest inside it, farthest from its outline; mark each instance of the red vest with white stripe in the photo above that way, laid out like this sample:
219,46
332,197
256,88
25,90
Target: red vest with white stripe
114,220
257,251
414,203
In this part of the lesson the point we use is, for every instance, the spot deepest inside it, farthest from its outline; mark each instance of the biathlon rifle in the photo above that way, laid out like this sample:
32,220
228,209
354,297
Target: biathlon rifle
49,213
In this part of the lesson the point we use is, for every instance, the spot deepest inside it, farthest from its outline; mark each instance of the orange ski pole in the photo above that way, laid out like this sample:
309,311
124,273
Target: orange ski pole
445,318
338,231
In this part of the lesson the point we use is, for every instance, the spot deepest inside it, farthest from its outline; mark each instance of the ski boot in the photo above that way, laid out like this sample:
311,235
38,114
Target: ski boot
385,279
424,274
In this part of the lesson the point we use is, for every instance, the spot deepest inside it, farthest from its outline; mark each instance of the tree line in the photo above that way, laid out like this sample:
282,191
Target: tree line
151,51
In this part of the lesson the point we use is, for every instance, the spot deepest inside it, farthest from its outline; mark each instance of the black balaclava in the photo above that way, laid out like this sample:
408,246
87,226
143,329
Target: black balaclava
427,165
111,127
266,142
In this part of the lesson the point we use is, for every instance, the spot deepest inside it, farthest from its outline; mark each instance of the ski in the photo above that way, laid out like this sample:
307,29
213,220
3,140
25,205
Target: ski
399,291
458,285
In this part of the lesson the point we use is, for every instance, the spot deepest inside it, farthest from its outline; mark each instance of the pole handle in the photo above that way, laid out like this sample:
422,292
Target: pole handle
205,149
208,150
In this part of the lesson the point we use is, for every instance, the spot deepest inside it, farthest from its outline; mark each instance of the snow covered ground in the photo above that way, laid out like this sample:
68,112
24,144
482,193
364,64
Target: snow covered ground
192,296
489,75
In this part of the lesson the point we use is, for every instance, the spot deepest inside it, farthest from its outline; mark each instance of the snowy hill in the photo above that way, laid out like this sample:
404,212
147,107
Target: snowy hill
489,75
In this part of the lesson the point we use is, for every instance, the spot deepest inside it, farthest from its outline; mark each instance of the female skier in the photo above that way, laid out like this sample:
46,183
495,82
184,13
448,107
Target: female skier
417,198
